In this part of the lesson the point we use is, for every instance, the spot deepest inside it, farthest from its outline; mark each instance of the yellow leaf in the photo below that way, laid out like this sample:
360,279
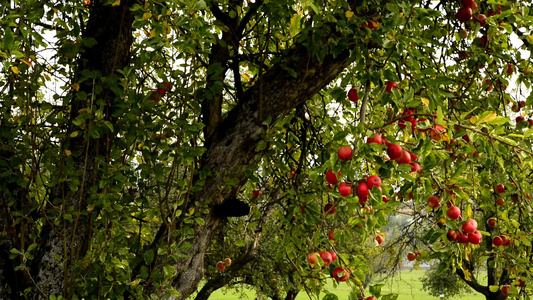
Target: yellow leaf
15,69
26,62
491,116
116,3
473,120
390,35
47,77
425,101
245,76
68,153
349,14
75,87
147,15
135,283
469,211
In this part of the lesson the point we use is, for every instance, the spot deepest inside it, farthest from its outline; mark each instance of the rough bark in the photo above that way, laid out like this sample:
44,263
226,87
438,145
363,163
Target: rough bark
111,28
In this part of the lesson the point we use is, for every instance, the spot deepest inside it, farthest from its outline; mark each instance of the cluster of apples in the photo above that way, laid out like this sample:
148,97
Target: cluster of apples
161,90
468,233
464,14
221,265
411,256
340,274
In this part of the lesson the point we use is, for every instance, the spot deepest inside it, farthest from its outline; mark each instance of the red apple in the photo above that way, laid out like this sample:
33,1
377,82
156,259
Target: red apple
453,213
326,257
312,258
510,69
433,202
436,132
376,139
255,193
411,256
329,209
475,238
352,95
404,159
373,181
341,274
227,262
414,157
482,19
390,85
333,255
470,226
345,189
464,14
500,188
221,266
506,289
462,238
451,235
470,4
331,177
500,202
362,190
497,241
408,116
379,239
345,153
492,222
505,241
520,119
394,151
385,199
416,168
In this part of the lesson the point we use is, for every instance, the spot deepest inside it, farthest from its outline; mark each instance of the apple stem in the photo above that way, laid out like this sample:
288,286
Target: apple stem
364,103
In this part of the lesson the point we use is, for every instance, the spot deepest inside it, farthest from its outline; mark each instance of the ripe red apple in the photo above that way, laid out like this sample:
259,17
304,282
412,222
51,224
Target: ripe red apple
370,298
341,274
352,95
373,181
436,132
227,262
510,69
470,4
379,239
482,19
221,266
331,234
415,168
470,226
500,188
492,222
390,85
377,139
505,241
345,189
345,153
506,289
500,202
433,202
333,255
312,258
331,177
404,159
497,241
326,257
408,116
362,190
453,213
520,119
411,256
394,151
414,157
385,199
475,238
329,209
255,193
292,174
464,14
451,235
462,238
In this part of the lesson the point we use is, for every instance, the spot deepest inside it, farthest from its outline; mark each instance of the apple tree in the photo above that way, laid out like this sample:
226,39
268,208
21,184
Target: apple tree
134,132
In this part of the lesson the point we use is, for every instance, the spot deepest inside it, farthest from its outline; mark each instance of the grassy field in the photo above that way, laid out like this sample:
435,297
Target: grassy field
406,284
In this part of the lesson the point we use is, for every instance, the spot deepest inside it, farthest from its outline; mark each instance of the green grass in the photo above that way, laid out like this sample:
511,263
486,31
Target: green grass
406,284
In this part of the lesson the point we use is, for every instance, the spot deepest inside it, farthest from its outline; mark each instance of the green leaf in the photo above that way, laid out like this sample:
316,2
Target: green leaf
330,297
392,296
149,256
494,288
8,39
375,290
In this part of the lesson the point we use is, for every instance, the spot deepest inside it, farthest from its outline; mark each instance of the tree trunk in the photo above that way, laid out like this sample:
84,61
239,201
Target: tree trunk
111,28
